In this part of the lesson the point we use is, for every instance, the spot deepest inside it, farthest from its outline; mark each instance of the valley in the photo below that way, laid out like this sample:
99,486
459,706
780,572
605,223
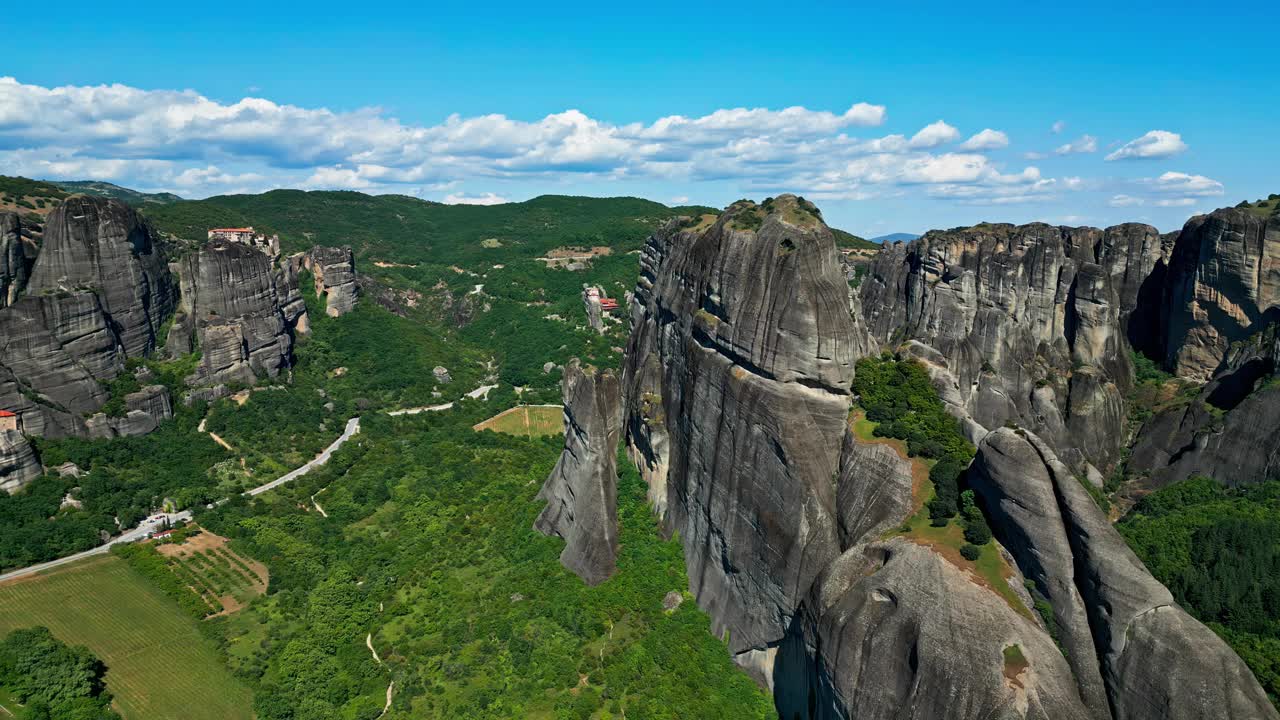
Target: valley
796,481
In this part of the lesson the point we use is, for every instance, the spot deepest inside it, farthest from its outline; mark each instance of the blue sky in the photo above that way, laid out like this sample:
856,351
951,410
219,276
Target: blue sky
470,102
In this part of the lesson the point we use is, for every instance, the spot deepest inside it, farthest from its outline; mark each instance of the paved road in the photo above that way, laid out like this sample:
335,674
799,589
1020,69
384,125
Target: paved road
158,521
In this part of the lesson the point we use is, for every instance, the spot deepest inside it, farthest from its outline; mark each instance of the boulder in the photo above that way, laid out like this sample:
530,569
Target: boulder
582,490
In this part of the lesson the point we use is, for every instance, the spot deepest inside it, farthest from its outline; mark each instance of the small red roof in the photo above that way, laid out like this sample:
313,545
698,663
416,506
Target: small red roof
6,413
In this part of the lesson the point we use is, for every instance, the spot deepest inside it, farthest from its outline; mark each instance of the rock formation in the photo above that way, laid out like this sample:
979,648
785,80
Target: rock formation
737,380
1223,285
334,271
737,396
18,463
97,294
104,246
1120,628
582,490
13,261
1030,323
241,311
144,410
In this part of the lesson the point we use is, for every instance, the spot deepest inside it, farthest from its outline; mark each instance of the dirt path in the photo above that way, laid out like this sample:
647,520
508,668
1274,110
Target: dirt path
368,641
318,508
216,438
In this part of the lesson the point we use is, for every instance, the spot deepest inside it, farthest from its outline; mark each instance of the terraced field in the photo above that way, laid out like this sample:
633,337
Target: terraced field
159,667
225,580
527,421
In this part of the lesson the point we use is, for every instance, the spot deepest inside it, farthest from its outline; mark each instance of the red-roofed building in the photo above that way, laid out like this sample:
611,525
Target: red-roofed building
8,421
608,304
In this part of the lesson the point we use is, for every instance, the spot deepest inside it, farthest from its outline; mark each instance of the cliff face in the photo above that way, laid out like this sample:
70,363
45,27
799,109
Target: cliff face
737,383
582,490
97,293
1223,285
240,310
1030,322
13,262
18,463
104,246
1123,633
334,270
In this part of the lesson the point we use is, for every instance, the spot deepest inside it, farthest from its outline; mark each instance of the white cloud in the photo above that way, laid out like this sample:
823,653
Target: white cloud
1034,155
1175,202
1058,127
933,135
1125,201
1084,144
465,199
1155,144
680,200
1180,183
986,140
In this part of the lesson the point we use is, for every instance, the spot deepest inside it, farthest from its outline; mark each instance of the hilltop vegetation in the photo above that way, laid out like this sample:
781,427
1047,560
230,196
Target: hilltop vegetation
111,190
1264,207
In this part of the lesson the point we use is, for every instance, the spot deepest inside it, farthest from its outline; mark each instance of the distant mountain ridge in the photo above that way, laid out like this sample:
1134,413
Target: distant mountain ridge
111,190
895,237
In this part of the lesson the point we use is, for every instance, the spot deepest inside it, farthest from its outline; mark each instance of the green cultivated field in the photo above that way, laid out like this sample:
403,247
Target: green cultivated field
527,421
159,666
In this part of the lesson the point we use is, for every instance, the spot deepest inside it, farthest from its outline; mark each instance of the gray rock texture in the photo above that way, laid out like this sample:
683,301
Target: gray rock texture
334,270
1121,628
103,246
582,490
1031,322
242,311
18,463
13,261
737,382
1223,285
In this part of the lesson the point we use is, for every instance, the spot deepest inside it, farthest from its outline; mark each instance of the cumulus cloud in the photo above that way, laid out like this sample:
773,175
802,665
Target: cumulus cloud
1155,144
465,199
1181,183
180,140
1058,127
933,135
986,140
1084,144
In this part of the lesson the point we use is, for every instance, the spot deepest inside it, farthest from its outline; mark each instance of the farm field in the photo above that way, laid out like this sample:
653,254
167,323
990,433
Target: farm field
225,580
527,421
159,667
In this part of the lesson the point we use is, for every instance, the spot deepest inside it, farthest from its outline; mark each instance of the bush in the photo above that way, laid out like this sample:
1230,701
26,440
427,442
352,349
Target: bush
970,552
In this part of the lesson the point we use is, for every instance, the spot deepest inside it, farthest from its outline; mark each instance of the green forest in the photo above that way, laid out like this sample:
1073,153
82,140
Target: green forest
43,678
1218,550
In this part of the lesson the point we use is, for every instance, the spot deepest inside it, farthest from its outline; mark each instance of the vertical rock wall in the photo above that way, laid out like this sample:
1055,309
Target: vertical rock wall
582,490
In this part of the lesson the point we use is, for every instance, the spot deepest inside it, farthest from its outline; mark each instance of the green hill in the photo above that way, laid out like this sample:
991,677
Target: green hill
106,189
1265,207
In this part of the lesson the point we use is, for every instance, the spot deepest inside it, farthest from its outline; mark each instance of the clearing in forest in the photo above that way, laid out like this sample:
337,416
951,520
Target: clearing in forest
526,421
222,577
158,663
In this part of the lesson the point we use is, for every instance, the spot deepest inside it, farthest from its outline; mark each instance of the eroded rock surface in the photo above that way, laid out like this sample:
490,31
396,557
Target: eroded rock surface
582,490
13,262
1031,322
18,463
1223,286
334,271
1122,630
241,310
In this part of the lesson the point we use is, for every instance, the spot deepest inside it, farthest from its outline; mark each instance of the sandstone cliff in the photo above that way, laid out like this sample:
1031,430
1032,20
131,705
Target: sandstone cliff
13,262
18,463
582,490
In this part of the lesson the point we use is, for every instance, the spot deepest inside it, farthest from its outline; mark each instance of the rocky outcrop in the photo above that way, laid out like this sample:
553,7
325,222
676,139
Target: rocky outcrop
737,381
582,490
334,271
1223,286
104,247
144,410
13,261
1124,636
18,463
1030,323
242,312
